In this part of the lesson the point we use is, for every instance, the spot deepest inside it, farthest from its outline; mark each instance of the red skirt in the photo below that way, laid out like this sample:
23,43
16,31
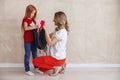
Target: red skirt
45,63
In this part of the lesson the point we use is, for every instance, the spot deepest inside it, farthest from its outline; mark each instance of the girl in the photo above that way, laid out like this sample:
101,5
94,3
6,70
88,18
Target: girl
57,42
28,25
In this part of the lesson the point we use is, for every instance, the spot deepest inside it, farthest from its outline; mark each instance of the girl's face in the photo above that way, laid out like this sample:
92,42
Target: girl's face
32,14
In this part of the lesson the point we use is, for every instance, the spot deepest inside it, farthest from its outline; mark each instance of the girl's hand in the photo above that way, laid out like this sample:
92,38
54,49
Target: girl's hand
35,26
38,25
38,28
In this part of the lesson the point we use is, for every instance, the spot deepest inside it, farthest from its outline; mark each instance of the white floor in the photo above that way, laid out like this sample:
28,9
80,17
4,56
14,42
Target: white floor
70,74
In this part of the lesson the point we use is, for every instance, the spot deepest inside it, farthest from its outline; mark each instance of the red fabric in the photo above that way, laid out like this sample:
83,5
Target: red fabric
28,35
46,63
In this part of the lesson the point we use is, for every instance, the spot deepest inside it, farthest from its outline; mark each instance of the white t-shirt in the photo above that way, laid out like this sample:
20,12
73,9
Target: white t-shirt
58,50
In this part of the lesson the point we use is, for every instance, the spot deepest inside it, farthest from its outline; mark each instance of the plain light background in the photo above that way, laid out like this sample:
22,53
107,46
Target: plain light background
94,29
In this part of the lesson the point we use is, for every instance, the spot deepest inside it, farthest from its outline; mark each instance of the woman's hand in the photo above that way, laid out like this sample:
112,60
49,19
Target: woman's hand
40,51
44,27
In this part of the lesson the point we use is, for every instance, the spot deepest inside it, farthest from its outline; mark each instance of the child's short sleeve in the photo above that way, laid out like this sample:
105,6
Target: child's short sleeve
25,20
30,22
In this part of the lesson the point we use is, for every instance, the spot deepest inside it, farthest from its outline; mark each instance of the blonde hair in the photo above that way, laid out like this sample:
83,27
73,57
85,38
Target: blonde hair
61,21
29,9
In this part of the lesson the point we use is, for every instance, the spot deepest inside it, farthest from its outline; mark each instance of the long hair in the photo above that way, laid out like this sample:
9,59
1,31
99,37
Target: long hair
61,21
29,9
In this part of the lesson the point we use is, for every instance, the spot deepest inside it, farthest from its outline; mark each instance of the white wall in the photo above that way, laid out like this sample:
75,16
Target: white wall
94,24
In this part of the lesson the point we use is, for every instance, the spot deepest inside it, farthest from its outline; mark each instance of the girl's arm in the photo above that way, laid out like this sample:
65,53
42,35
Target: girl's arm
26,28
50,41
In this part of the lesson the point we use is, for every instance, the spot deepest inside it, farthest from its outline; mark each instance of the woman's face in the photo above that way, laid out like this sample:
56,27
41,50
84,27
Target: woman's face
32,14
55,21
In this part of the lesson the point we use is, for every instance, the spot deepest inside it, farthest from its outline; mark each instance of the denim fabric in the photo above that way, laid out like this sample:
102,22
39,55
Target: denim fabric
29,47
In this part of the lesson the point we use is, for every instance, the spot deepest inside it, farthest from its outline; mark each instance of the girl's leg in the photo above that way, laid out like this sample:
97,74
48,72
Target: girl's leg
27,46
34,51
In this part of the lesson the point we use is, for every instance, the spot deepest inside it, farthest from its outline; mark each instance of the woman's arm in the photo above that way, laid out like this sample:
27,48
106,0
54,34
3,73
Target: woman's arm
50,41
50,35
26,28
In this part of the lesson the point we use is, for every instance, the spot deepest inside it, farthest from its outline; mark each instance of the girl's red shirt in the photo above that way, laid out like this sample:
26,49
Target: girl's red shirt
28,35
